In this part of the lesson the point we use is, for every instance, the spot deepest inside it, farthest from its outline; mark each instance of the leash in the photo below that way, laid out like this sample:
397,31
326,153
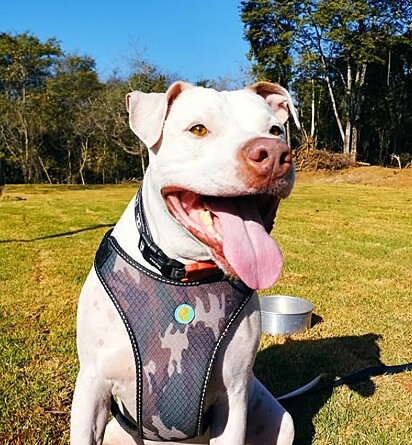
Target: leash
168,267
357,377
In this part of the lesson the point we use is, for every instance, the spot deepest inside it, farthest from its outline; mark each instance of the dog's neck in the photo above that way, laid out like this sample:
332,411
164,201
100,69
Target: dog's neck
165,231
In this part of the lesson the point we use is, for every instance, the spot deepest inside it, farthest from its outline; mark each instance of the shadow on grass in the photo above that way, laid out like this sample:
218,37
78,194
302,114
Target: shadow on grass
288,366
57,235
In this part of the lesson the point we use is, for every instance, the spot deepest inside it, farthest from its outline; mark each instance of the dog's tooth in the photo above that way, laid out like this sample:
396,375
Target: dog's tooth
211,229
206,219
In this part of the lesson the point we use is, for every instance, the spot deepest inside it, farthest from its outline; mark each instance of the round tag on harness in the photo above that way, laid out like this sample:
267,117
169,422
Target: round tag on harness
184,314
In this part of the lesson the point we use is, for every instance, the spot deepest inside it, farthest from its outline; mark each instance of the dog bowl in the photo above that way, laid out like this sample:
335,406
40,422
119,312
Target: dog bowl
284,315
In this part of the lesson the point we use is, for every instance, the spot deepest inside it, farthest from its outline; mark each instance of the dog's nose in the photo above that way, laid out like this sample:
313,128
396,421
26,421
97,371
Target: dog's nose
266,158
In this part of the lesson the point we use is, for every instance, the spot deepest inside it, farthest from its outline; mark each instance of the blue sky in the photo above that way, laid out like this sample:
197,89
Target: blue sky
188,38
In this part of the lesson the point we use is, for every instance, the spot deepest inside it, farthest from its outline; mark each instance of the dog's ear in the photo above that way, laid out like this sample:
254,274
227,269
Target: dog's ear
278,99
148,111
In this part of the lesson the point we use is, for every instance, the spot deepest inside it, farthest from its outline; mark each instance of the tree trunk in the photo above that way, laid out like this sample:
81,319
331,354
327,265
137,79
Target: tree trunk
335,108
44,169
312,123
69,165
348,136
349,100
84,150
354,143
26,160
330,89
356,102
388,75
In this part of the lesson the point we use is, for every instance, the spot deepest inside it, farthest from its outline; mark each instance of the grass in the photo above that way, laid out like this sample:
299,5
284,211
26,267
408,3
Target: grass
347,249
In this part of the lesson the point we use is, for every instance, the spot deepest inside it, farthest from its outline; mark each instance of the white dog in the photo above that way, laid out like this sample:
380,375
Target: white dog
168,319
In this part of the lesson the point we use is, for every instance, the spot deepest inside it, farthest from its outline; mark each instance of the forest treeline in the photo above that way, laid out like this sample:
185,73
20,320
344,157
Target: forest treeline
347,63
59,123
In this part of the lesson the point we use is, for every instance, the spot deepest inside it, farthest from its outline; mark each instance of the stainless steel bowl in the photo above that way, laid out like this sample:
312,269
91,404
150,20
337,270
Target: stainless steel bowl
284,315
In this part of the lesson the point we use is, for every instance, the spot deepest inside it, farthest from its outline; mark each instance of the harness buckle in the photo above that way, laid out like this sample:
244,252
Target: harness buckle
168,267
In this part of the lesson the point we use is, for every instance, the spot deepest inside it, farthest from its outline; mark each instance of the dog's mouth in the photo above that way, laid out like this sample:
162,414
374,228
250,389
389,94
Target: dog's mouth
236,231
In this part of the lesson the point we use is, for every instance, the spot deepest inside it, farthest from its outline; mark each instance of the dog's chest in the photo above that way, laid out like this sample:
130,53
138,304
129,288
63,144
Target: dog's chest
175,330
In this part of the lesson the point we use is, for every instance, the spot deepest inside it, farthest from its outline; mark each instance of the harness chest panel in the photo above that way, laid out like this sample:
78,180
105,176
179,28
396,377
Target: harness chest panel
175,330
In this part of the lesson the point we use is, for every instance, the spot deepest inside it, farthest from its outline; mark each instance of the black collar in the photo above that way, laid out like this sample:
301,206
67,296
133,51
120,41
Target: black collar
168,267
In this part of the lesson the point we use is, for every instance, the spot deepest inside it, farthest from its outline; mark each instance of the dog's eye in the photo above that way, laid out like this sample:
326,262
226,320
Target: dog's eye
198,130
275,130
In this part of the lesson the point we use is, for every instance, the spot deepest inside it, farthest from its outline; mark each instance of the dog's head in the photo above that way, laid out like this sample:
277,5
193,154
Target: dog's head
221,165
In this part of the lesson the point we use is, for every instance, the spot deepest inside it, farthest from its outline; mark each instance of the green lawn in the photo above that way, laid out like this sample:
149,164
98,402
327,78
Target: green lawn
347,249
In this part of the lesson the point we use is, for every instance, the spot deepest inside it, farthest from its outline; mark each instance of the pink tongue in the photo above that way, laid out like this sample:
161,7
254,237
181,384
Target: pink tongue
248,248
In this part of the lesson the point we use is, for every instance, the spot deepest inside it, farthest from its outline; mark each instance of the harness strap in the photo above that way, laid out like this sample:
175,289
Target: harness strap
133,429
130,427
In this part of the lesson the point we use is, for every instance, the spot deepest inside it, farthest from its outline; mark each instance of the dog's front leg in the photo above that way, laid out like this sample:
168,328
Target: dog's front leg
90,409
268,422
231,419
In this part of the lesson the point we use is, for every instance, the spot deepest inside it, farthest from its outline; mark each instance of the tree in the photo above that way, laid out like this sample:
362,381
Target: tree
388,105
269,28
59,123
25,65
334,41
67,95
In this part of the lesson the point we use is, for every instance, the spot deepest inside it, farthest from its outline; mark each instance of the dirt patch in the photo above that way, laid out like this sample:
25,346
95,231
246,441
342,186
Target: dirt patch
379,176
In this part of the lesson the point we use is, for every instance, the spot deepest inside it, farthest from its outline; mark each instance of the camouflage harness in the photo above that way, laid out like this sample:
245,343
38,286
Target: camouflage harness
175,329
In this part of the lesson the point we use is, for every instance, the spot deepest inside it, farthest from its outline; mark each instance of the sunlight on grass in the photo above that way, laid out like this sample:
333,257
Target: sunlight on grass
347,249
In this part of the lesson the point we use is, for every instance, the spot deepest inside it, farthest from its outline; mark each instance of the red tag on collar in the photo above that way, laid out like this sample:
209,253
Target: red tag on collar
200,271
